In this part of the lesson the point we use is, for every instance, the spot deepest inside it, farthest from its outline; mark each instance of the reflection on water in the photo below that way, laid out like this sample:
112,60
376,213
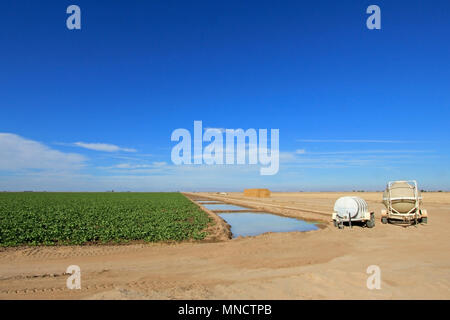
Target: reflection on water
254,223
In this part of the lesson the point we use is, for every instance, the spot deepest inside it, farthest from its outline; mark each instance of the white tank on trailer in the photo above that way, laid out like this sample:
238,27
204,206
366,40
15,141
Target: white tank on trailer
403,203
403,196
347,209
350,206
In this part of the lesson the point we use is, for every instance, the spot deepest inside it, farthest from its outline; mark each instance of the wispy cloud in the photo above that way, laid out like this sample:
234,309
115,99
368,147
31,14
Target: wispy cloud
373,158
18,153
105,147
156,164
303,151
355,141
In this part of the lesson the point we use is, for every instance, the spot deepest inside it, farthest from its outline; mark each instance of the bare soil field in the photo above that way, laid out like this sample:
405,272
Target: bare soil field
324,264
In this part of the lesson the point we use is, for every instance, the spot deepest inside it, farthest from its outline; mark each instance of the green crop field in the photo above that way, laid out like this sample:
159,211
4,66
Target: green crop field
44,218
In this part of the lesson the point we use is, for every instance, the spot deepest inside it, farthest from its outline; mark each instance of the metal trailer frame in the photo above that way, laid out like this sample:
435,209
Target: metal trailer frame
415,215
367,216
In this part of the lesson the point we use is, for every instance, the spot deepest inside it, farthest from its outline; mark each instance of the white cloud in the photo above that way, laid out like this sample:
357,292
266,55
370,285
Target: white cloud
159,163
350,158
168,178
354,141
18,153
103,147
302,151
128,166
156,164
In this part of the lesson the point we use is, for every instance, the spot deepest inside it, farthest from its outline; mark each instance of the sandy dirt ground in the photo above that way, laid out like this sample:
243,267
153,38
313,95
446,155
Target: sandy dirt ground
324,264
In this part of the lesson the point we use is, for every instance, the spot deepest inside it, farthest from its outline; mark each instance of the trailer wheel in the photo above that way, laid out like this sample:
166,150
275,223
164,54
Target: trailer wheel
384,220
335,223
424,220
371,223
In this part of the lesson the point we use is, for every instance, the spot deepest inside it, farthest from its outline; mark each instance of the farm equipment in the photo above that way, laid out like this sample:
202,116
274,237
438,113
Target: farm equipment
403,203
350,210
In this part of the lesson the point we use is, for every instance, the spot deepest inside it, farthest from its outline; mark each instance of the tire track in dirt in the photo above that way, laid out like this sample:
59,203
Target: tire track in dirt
61,252
164,289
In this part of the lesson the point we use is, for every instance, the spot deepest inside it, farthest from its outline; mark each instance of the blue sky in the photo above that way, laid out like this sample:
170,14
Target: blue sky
94,109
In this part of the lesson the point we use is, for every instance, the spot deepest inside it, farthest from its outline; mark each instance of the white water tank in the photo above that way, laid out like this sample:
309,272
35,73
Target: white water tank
402,195
350,206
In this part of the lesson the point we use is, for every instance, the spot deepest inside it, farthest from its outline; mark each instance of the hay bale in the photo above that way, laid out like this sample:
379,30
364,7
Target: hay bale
259,193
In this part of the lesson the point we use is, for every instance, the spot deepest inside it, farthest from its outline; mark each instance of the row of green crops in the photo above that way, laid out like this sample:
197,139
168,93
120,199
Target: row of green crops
45,218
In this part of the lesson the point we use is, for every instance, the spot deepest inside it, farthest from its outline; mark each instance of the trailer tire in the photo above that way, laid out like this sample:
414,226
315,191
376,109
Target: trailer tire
371,223
384,220
335,223
424,220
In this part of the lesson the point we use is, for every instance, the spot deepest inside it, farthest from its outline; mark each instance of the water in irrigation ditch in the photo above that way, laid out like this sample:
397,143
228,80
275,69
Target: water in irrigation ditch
253,223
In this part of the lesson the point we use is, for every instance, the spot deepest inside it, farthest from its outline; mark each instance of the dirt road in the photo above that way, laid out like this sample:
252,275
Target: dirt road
324,264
